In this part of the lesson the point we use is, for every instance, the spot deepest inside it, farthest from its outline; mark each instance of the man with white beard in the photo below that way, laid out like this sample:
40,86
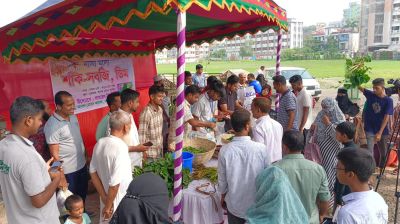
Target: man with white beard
110,168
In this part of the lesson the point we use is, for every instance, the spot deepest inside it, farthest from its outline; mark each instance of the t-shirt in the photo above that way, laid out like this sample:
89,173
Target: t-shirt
23,173
304,100
287,102
85,220
67,135
376,109
101,130
257,86
112,163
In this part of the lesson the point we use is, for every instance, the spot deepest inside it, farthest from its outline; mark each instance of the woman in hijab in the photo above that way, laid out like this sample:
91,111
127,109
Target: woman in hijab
146,202
346,106
324,126
276,201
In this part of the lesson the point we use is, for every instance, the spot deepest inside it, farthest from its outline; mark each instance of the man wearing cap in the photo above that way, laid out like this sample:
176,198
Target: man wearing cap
199,78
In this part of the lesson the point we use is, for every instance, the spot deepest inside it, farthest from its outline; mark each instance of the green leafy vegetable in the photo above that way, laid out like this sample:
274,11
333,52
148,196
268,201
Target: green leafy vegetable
194,150
210,173
164,167
357,72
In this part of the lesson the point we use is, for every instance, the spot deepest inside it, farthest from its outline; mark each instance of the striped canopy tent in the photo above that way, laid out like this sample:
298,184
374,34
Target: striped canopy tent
74,29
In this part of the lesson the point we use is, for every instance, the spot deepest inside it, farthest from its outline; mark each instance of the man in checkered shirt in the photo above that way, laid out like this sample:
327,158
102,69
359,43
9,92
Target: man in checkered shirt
151,123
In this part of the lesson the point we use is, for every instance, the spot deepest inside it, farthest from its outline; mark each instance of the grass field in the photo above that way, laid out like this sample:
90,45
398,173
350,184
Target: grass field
319,68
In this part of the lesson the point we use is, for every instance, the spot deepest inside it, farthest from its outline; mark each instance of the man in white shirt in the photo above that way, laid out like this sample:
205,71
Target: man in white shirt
362,206
239,163
267,130
129,104
110,167
261,71
28,188
192,94
303,101
207,107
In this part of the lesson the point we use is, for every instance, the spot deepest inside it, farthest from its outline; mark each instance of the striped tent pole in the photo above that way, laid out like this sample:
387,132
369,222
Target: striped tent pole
181,42
278,66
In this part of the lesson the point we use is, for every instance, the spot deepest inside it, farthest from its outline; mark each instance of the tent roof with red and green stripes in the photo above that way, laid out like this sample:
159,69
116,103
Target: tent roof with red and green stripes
77,28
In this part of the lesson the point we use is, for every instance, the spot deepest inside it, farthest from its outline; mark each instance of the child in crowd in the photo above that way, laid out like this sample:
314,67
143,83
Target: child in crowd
363,205
345,132
74,205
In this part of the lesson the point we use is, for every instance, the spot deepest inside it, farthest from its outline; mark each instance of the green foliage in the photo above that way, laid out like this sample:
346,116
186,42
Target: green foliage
357,73
318,68
219,54
194,150
202,172
245,51
164,167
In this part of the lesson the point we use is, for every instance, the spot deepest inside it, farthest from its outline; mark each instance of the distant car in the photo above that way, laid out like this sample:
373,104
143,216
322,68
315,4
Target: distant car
309,82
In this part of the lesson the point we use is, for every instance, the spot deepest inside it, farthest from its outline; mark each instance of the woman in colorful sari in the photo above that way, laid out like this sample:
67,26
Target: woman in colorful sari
276,201
324,126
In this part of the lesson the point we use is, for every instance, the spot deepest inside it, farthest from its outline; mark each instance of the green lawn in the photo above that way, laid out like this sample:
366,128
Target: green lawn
319,68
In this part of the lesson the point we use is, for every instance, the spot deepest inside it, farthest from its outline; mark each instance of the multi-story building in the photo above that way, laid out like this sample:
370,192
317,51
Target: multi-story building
262,44
347,38
395,31
378,28
193,53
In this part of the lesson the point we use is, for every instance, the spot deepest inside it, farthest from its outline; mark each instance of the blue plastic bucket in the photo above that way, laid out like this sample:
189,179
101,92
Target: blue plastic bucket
187,158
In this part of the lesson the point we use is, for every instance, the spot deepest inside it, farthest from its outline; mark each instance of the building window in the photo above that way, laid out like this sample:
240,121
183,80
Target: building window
379,18
378,39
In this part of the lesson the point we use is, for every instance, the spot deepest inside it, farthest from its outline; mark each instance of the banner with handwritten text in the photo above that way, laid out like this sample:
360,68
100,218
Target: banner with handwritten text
91,80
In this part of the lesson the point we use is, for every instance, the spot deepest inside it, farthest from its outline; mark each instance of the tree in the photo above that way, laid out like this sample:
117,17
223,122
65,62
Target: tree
219,54
332,45
312,45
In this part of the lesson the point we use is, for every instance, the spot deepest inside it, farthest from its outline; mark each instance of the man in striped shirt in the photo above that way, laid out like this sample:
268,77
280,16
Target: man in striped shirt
287,104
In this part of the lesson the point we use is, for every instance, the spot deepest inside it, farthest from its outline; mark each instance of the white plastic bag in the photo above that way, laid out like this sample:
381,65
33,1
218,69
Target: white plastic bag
61,197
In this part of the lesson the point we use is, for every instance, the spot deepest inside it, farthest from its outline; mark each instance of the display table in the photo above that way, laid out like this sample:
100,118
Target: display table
198,208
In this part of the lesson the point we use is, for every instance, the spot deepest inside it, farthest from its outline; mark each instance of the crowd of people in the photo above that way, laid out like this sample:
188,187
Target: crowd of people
263,176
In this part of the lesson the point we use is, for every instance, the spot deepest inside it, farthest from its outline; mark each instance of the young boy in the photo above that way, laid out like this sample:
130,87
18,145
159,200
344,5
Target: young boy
354,168
345,132
75,207
379,108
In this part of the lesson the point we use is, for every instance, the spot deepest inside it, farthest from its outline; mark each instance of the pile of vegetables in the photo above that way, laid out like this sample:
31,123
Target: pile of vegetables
202,172
357,72
164,167
193,150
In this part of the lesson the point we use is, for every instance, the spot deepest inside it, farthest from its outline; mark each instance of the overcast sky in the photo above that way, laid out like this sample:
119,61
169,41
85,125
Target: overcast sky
315,11
308,11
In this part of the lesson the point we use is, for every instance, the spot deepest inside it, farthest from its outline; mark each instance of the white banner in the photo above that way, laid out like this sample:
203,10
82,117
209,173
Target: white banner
91,80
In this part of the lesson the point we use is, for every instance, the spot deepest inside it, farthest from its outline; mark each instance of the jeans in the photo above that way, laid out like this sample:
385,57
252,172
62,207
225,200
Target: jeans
78,182
382,146
234,219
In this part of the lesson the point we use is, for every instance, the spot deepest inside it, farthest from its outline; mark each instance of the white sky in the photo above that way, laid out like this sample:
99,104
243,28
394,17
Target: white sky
315,11
308,11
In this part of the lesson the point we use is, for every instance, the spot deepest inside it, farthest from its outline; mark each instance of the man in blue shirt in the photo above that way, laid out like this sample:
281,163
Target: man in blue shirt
378,109
253,82
199,78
